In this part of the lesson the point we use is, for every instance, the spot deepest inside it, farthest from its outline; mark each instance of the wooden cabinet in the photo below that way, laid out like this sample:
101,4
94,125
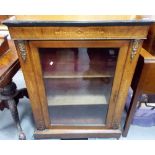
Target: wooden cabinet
78,70
149,43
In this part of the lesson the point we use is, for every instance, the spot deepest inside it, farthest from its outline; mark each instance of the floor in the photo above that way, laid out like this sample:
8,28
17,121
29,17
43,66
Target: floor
9,132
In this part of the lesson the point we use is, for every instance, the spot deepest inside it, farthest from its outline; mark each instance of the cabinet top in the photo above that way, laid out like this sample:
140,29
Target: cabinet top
78,20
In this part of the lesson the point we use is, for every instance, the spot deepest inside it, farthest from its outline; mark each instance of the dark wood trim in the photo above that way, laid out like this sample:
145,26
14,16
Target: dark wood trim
17,23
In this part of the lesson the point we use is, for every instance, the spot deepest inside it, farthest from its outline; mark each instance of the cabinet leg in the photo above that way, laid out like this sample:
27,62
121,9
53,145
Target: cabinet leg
14,112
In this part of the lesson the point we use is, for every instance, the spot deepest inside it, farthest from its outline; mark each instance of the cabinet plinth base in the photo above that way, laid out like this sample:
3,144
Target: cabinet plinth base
77,133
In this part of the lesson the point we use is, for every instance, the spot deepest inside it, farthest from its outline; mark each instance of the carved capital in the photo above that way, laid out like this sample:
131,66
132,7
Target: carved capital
22,49
135,46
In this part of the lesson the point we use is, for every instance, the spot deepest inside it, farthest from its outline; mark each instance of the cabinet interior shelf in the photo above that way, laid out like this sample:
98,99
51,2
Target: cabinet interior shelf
76,76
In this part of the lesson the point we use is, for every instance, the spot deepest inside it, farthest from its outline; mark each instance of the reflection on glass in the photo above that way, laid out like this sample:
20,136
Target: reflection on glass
78,83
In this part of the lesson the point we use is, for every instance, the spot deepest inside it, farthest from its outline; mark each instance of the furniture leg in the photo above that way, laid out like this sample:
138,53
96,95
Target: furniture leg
9,97
21,93
14,112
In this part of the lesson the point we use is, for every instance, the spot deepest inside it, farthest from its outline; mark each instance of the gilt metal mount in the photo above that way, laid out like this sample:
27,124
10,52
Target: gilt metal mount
116,124
22,49
41,125
134,49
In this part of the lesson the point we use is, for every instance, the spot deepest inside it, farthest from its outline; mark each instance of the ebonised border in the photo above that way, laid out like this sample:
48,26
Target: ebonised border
16,23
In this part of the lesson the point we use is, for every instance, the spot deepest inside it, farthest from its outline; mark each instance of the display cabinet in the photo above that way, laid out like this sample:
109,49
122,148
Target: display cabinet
78,70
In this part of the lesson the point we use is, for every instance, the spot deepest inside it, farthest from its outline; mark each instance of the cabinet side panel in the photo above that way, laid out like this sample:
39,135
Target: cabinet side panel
117,81
23,51
40,83
126,80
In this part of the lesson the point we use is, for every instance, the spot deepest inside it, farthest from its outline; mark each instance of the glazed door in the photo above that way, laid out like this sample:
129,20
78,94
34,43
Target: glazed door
78,81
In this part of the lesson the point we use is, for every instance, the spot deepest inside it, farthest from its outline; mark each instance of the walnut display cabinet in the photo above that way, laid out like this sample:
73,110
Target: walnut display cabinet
78,70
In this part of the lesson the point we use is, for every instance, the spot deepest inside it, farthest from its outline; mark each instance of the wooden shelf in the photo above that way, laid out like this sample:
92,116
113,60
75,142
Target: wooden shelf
78,91
72,75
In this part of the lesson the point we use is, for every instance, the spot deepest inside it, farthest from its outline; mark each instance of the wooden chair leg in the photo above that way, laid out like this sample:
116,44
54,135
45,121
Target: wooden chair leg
9,98
14,112
131,112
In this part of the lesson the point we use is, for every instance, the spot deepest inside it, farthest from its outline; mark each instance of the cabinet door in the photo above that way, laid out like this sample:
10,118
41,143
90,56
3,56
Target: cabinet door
78,81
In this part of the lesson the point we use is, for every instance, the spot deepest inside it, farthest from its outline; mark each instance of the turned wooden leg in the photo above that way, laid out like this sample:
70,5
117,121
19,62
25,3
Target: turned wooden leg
9,98
14,112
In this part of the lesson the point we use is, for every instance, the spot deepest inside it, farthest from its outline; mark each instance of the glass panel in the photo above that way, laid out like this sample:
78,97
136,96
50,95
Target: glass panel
78,83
